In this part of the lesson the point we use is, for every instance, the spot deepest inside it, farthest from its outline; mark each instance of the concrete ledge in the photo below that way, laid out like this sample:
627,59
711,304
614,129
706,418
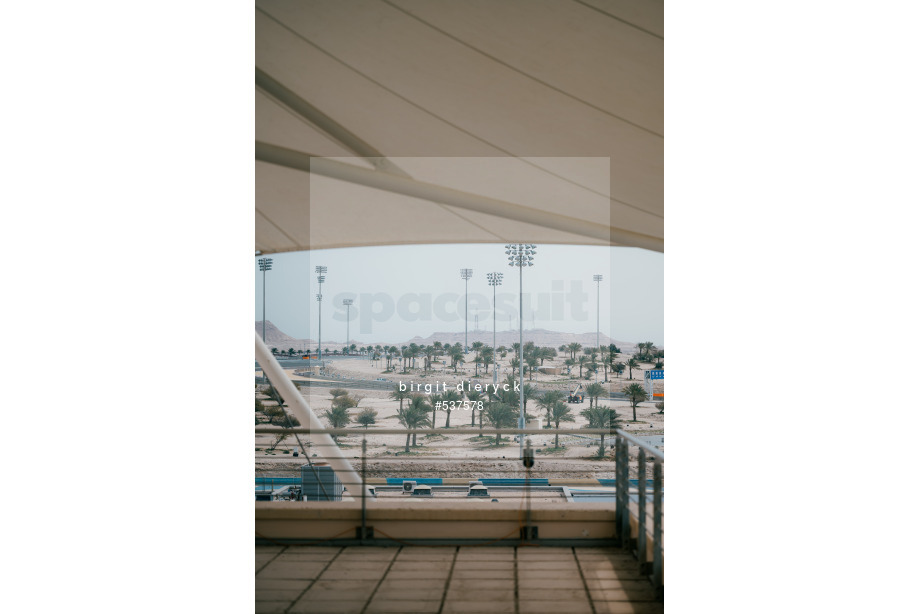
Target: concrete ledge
482,520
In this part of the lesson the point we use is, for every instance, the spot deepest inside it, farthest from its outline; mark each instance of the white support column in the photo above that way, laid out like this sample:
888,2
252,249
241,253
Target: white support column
324,444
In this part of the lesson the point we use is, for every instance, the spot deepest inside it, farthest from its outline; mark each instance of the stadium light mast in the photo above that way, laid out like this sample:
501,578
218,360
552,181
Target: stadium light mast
320,277
598,279
465,275
520,256
348,303
265,264
495,279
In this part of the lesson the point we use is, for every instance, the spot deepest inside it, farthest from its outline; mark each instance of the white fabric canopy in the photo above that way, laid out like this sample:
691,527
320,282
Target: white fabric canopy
384,122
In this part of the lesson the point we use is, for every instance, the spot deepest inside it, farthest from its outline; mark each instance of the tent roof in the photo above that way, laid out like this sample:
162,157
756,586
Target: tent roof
382,122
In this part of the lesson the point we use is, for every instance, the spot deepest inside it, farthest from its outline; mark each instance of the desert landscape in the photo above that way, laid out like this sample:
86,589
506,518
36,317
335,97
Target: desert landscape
462,455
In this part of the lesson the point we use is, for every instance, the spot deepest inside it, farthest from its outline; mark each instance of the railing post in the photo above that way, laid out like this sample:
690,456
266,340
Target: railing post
641,544
656,530
363,488
624,518
617,471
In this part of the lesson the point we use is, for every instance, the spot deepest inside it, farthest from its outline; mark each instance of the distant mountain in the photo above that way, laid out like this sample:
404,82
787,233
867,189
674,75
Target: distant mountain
282,341
540,337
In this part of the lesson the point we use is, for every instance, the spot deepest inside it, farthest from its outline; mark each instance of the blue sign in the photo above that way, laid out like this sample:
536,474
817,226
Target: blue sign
655,374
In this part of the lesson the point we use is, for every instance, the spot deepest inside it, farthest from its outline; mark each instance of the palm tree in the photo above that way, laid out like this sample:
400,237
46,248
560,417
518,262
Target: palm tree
593,391
419,404
450,397
570,362
618,368
510,396
478,360
501,416
473,396
429,352
636,394
574,348
488,356
456,357
412,418
529,392
435,401
581,363
531,365
560,412
610,361
406,355
545,353
549,398
400,395
592,369
632,363
602,418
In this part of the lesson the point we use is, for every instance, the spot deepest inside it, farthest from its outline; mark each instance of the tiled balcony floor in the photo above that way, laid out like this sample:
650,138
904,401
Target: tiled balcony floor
450,579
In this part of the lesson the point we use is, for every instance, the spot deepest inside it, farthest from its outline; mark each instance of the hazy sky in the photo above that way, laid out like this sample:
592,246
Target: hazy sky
403,291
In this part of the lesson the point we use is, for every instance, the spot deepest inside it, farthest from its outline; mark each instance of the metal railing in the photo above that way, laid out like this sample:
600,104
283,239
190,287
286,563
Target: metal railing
629,504
623,441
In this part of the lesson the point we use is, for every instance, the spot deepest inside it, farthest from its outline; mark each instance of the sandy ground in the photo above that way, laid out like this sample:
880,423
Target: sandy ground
460,455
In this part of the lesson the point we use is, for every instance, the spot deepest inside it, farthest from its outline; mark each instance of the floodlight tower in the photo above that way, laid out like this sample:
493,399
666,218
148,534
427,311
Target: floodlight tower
348,303
465,275
495,279
265,264
320,277
520,256
598,279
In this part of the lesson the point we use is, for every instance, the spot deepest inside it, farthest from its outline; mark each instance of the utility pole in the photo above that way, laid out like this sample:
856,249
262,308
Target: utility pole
320,277
465,275
598,279
520,255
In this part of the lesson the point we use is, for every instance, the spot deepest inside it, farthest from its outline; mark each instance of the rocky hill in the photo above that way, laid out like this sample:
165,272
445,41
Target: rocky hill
540,337
283,341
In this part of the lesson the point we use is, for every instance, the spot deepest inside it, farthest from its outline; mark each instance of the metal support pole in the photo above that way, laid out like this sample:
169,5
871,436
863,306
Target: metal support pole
624,519
363,534
641,545
598,338
319,306
495,279
658,558
530,532
617,471
263,309
521,354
